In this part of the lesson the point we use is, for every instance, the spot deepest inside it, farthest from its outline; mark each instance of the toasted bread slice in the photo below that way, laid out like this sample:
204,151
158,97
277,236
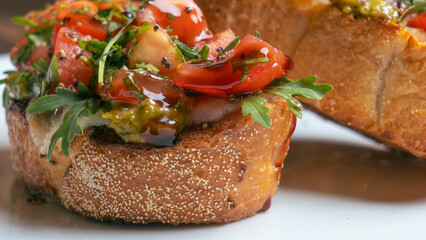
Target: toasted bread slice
222,173
378,69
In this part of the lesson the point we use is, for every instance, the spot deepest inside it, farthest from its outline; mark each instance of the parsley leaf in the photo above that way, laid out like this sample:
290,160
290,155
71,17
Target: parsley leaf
305,87
253,105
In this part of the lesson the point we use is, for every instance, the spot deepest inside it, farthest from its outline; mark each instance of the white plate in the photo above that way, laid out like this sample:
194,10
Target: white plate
336,185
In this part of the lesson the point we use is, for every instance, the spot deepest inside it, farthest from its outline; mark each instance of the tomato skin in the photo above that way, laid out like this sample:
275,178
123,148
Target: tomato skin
157,89
38,52
219,40
71,69
222,80
83,23
418,22
190,25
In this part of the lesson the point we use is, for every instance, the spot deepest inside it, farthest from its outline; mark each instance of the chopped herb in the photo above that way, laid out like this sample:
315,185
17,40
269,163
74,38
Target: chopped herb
52,77
41,66
23,54
257,34
20,20
133,89
102,60
141,30
186,51
147,67
84,10
5,97
204,53
230,46
171,16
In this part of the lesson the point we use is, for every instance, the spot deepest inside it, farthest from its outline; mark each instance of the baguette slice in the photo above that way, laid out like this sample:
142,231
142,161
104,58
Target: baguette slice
378,69
223,173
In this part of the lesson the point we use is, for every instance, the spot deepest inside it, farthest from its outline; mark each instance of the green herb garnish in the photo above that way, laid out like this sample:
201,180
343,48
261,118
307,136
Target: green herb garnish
417,6
253,105
230,46
80,104
287,89
20,20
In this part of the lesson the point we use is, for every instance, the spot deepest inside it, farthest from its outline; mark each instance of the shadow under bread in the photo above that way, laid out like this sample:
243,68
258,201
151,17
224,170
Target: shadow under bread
354,172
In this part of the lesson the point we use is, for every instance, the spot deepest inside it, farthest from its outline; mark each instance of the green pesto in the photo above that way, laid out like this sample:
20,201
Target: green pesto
373,8
133,123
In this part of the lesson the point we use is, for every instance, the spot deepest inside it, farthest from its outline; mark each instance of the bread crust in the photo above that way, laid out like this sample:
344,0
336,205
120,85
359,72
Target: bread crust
220,174
377,68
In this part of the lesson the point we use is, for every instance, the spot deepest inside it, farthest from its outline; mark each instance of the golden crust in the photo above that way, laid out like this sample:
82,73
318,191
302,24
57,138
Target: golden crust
377,68
283,23
224,173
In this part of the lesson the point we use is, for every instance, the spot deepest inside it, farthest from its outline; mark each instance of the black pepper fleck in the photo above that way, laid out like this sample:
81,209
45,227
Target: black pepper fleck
127,14
156,27
79,55
63,59
165,63
188,10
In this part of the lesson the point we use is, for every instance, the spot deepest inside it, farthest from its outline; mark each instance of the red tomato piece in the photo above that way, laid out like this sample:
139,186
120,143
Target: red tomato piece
157,89
184,17
418,22
218,41
71,68
38,52
222,79
79,16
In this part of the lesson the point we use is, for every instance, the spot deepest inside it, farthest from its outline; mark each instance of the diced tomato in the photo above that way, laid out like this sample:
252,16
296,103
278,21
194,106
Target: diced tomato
79,16
125,4
418,22
222,79
161,90
95,33
217,42
183,17
71,68
80,11
38,52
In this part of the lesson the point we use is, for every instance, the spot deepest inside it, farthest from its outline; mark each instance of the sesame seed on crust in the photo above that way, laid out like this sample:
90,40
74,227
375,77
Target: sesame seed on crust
221,174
